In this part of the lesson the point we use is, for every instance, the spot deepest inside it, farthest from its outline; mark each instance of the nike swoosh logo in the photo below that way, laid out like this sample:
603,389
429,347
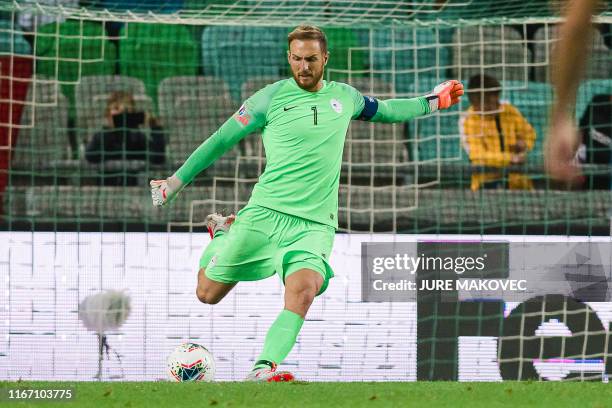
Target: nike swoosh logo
289,108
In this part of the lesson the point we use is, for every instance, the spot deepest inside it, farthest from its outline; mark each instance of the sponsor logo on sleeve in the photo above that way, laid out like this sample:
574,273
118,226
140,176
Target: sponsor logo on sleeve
242,116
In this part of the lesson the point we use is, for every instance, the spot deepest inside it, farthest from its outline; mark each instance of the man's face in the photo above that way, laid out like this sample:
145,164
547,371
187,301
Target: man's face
307,63
486,103
116,108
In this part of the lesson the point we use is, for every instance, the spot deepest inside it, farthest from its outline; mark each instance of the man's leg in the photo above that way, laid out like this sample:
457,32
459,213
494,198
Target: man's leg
209,291
234,254
301,287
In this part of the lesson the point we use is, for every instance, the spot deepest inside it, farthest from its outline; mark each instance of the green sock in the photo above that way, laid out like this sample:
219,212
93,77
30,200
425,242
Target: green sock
280,338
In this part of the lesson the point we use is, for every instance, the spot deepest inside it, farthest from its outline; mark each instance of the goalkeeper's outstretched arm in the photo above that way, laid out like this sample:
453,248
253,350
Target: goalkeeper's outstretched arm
228,135
400,110
250,117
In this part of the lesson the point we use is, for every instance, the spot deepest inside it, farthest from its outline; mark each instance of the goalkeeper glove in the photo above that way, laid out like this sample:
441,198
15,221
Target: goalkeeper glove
165,191
444,95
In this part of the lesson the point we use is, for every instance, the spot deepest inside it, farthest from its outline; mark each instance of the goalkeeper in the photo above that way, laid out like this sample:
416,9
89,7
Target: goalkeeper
289,223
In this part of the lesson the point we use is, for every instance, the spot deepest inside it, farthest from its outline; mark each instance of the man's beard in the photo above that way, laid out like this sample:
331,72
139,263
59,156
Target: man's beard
312,81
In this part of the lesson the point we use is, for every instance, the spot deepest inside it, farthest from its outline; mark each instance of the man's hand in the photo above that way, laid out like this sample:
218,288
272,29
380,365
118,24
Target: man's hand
445,95
519,147
517,158
560,150
164,191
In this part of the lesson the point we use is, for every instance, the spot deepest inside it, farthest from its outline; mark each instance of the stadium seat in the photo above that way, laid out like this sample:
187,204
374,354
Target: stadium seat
385,208
72,51
196,205
153,52
92,94
495,50
600,60
254,84
43,137
123,204
231,197
342,43
16,71
368,209
88,203
370,86
393,53
373,208
437,137
374,144
237,53
12,41
471,35
534,101
192,108
507,207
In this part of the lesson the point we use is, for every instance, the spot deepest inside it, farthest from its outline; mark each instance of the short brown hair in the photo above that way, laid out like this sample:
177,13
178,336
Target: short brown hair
482,84
120,97
306,32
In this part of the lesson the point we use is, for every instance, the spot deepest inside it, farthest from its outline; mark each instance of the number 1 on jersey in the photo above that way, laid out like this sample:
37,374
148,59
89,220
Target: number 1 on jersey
314,109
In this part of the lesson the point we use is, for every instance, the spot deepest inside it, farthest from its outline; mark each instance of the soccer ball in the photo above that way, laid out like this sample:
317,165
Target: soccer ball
191,362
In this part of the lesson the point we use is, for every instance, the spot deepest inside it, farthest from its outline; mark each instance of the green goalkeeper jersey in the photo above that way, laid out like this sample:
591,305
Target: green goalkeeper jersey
303,135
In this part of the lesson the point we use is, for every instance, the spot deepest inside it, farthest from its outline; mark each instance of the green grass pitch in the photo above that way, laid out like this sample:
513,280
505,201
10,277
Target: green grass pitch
312,394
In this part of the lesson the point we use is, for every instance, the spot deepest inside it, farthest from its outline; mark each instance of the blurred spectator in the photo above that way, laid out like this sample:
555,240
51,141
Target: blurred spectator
596,143
495,135
127,135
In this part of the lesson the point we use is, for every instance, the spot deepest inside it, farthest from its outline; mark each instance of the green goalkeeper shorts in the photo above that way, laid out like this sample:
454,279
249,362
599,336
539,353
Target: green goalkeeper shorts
262,242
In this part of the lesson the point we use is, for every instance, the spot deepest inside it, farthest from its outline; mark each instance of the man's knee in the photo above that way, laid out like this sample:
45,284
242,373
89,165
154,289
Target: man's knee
209,291
303,291
206,296
303,296
203,292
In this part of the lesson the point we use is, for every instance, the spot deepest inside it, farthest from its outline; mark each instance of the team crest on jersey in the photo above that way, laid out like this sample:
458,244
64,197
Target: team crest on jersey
336,105
242,116
213,262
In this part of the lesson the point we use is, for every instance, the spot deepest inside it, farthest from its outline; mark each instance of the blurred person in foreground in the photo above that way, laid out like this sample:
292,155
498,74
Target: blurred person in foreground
569,60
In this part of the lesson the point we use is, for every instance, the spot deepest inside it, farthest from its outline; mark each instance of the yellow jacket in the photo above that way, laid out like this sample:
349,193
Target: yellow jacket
482,141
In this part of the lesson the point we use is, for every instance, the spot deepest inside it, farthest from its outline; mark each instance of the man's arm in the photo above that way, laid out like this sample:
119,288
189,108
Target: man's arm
229,134
250,117
400,110
569,59
527,132
226,137
480,156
